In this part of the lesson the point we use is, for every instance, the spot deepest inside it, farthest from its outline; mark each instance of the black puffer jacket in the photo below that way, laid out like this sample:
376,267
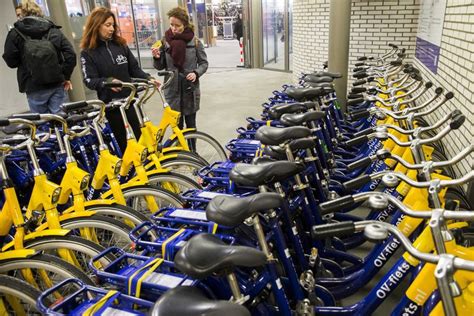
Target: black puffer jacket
37,27
109,60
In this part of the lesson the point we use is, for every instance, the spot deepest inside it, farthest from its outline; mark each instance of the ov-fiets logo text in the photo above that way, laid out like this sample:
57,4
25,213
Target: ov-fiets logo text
386,253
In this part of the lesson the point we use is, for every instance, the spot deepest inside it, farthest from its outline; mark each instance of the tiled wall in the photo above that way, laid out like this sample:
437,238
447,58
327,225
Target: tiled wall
374,24
310,35
456,74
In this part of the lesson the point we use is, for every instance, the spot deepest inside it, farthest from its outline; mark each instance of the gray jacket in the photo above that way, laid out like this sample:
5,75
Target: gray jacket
195,61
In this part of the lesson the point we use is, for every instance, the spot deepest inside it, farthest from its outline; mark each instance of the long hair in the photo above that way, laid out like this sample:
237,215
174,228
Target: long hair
182,15
30,8
91,36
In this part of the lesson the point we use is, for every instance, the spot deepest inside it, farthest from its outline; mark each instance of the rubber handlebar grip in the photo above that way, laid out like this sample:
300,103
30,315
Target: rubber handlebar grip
76,118
355,101
358,90
356,183
370,79
357,140
359,82
357,69
112,85
396,63
359,115
71,106
428,85
457,121
362,163
4,122
363,58
449,95
27,116
364,132
360,75
455,113
163,73
340,229
438,90
359,64
337,204
353,96
139,80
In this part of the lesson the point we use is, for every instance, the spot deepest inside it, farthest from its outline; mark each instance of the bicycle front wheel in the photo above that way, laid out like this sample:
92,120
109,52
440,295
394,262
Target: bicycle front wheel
81,249
17,297
138,197
45,270
204,145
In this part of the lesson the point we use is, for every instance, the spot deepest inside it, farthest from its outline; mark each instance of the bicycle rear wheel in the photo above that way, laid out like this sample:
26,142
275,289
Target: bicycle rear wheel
204,145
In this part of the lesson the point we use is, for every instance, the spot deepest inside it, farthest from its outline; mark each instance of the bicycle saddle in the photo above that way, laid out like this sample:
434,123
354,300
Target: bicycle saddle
317,79
300,94
318,84
280,109
334,75
269,135
300,118
205,254
189,301
232,211
255,175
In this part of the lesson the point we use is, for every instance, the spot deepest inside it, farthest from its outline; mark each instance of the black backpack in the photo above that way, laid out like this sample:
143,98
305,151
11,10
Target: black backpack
41,59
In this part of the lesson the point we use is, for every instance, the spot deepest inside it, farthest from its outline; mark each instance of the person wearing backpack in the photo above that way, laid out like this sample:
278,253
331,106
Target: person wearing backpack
44,57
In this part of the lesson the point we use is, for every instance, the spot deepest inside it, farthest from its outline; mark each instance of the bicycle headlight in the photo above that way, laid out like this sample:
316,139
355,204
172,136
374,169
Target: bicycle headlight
144,155
85,182
117,167
55,195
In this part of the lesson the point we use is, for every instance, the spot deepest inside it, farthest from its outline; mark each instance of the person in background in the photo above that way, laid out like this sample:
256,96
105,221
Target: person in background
238,31
18,12
105,57
44,81
182,53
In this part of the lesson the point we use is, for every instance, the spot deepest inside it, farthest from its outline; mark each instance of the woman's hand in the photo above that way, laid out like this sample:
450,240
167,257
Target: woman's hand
117,89
155,52
157,83
191,76
67,85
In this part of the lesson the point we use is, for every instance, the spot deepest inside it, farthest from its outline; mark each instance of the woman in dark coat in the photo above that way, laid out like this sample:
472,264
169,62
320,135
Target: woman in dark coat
105,57
182,53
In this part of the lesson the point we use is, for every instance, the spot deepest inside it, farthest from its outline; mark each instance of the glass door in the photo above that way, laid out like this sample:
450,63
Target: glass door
276,34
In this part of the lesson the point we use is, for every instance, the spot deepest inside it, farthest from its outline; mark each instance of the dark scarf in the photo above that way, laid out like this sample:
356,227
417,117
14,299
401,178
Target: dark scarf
178,44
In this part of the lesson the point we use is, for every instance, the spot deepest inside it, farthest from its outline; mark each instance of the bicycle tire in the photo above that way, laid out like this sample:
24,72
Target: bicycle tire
22,292
168,199
117,211
106,228
179,183
86,248
51,264
217,154
188,168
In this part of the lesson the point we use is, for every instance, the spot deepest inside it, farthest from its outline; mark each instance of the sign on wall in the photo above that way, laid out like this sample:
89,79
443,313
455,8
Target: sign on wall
430,31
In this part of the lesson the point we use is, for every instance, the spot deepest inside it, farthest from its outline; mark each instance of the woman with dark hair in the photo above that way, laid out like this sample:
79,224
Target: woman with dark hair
182,53
105,57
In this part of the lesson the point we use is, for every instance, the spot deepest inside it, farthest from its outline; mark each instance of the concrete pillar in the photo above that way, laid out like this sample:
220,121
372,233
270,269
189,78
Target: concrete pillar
339,31
59,15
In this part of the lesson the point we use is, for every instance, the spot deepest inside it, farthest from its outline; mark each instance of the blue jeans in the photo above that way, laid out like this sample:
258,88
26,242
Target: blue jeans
46,101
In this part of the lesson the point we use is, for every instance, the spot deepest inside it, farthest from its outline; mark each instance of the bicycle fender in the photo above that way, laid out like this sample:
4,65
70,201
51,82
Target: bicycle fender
64,217
129,184
90,204
17,254
184,131
39,234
